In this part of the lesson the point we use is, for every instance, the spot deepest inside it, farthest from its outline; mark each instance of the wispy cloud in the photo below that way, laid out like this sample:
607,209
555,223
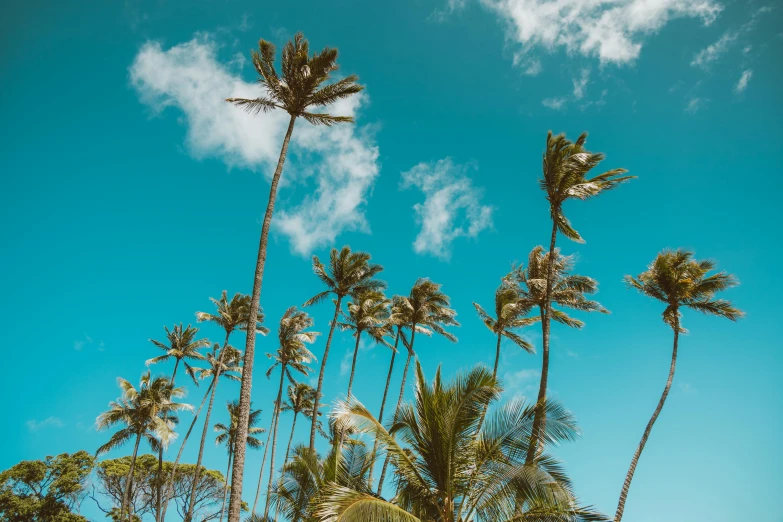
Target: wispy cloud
452,206
341,162
50,422
580,84
556,104
695,104
742,84
712,52
521,383
451,6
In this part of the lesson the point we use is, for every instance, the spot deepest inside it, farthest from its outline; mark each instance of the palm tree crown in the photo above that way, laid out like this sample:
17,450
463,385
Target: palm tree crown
426,310
227,434
292,353
368,312
301,84
349,273
223,361
510,312
233,315
566,166
182,346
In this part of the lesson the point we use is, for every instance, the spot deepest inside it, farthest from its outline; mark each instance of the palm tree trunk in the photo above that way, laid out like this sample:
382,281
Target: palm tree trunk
383,404
291,438
129,480
316,404
353,363
235,505
274,443
170,486
263,462
545,326
225,488
627,484
399,403
159,518
495,375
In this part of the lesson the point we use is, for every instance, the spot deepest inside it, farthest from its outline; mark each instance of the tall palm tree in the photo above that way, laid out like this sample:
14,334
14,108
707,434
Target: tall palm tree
230,316
304,85
292,354
300,400
425,310
566,166
349,273
448,470
568,290
227,435
182,346
147,413
221,363
368,312
679,281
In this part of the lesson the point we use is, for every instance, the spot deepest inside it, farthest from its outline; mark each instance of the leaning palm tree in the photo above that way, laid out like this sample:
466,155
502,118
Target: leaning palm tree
446,469
231,316
349,273
425,310
679,281
291,355
147,413
304,85
182,346
300,400
566,167
368,312
568,290
228,435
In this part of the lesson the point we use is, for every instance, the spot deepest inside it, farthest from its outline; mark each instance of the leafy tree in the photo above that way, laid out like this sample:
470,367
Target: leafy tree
349,273
679,281
449,470
425,310
303,85
147,413
45,490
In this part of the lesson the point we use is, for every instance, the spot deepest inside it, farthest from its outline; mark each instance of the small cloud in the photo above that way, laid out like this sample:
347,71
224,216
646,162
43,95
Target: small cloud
245,24
686,387
345,363
747,49
573,355
78,345
452,6
695,104
51,422
742,84
556,104
712,52
530,66
522,383
581,83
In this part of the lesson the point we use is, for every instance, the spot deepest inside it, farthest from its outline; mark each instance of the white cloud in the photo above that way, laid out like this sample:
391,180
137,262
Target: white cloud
611,30
53,422
343,159
695,104
522,383
452,6
581,84
554,103
451,206
742,84
714,51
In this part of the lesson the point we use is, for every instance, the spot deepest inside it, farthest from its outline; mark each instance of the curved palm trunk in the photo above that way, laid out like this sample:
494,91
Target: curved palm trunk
235,505
225,488
495,375
170,486
399,403
627,484
129,480
316,403
383,405
274,443
159,518
263,463
291,438
545,326
353,363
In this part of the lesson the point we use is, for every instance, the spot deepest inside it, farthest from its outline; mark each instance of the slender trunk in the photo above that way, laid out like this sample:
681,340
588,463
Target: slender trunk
158,512
129,480
353,363
383,404
316,404
274,443
494,375
627,484
225,488
291,438
237,473
263,462
170,486
546,312
399,403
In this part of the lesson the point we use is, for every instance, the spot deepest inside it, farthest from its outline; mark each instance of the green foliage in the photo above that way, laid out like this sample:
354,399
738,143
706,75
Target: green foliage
292,354
47,490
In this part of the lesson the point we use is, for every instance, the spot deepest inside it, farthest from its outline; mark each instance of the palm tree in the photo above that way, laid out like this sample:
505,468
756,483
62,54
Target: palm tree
566,166
221,362
182,346
300,400
292,354
425,310
227,435
303,86
568,290
679,281
349,273
147,413
448,470
367,312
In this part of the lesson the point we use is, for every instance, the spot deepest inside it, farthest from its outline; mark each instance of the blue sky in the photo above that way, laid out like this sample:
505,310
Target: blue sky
131,193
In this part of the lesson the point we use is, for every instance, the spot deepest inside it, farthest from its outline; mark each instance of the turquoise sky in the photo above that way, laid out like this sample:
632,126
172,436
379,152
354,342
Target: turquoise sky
131,193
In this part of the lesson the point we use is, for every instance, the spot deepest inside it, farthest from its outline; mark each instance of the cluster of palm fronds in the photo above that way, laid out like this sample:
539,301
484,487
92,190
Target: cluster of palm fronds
456,453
